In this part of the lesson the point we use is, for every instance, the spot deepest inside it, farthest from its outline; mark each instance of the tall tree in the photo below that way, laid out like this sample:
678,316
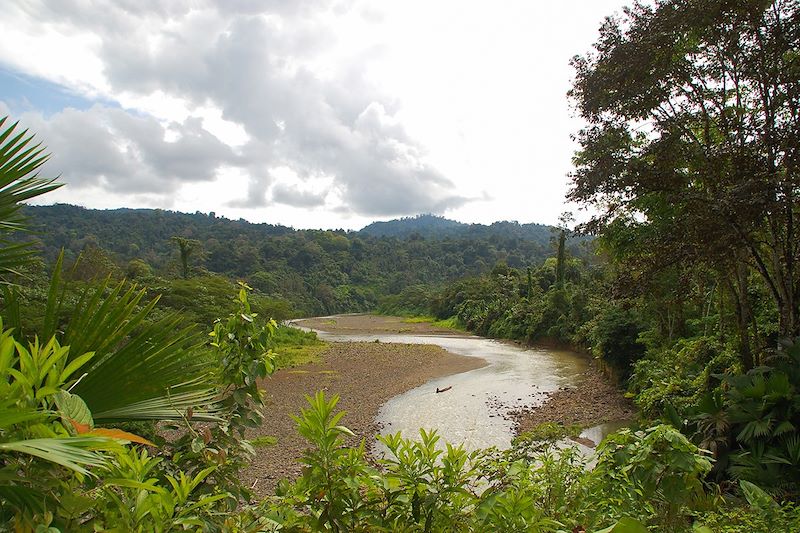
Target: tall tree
561,255
186,247
691,150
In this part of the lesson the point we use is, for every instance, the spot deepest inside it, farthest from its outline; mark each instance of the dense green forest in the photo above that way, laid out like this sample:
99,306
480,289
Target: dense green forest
313,272
691,298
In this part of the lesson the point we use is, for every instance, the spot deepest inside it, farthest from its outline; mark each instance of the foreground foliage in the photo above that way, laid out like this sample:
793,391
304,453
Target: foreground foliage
652,478
691,156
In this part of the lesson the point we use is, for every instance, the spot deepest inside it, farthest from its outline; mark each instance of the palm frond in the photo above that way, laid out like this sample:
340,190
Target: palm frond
161,368
11,308
140,370
102,319
55,299
172,407
19,158
74,453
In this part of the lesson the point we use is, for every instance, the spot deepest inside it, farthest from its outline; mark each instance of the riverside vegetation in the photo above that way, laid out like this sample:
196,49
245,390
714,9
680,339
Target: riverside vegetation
690,159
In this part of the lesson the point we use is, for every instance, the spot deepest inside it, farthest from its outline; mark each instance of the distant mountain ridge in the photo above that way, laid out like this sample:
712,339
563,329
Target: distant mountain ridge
427,226
433,226
318,272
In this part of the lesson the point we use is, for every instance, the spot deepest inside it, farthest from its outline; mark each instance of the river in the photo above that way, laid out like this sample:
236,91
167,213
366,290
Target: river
474,410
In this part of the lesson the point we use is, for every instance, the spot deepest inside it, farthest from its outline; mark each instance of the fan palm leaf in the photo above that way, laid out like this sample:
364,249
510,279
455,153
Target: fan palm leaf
140,370
162,367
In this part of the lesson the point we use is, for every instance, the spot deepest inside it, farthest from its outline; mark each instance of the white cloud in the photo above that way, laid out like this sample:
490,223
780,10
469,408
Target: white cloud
111,149
378,110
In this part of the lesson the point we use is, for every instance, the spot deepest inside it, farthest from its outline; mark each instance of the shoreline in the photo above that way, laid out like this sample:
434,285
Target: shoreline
369,324
364,375
596,400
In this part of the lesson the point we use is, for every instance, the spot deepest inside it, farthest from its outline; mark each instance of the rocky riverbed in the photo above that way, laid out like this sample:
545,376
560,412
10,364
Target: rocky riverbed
594,401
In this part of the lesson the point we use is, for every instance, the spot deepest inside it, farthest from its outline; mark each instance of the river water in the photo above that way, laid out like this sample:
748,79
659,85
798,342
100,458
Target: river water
475,409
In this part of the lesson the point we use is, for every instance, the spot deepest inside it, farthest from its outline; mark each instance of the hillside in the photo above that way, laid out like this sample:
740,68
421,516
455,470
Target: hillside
317,271
433,227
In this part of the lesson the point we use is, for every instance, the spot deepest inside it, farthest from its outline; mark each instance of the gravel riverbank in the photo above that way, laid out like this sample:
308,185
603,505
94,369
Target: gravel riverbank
364,375
596,400
367,374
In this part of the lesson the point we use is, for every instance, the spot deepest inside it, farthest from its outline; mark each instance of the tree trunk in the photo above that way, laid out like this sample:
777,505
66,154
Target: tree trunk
741,297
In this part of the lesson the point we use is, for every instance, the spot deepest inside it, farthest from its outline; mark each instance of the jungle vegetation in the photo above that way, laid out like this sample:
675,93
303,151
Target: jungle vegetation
689,160
307,272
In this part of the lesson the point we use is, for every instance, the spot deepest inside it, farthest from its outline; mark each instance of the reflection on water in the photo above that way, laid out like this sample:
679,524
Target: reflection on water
475,410
599,432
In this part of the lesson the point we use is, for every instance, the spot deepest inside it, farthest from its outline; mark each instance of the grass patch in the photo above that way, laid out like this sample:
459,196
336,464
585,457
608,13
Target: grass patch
295,347
421,319
447,323
546,433
450,323
264,441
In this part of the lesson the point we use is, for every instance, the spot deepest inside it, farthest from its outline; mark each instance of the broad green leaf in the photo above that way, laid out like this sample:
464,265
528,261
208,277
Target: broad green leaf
73,409
756,496
9,417
74,365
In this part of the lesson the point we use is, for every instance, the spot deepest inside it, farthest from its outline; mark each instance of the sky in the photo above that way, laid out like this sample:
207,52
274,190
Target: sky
306,113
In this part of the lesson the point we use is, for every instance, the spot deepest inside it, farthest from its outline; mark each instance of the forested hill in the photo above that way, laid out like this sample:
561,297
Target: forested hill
432,227
316,271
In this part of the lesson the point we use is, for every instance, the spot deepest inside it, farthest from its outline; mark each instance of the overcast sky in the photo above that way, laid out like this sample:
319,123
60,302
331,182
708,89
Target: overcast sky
307,113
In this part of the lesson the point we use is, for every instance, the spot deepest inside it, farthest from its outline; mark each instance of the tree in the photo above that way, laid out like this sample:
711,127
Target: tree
563,229
186,247
692,146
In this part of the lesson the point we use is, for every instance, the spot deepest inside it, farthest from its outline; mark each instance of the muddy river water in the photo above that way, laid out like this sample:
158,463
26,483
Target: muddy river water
474,410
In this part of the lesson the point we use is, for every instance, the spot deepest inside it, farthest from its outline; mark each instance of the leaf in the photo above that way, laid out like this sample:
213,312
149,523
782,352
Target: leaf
19,161
140,370
74,365
79,428
9,417
167,407
22,497
71,407
54,301
71,452
672,416
625,525
756,496
119,434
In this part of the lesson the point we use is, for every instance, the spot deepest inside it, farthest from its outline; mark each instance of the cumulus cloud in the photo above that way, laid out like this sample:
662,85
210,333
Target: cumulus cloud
255,62
290,195
122,152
